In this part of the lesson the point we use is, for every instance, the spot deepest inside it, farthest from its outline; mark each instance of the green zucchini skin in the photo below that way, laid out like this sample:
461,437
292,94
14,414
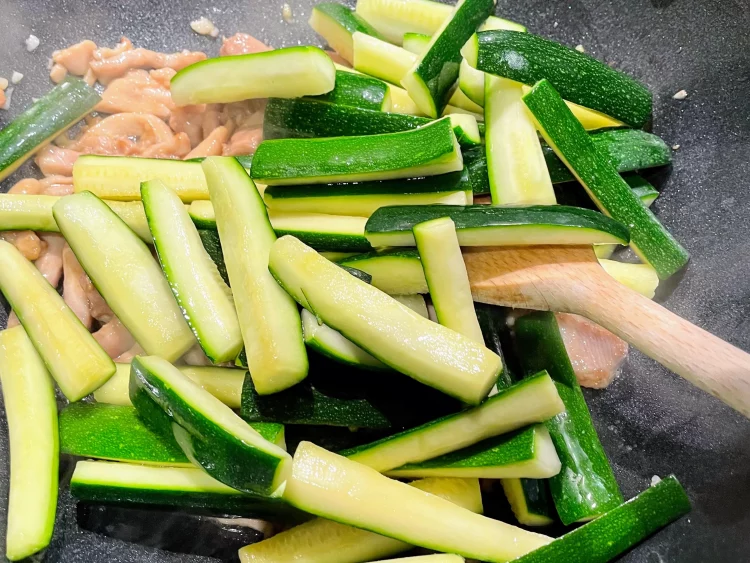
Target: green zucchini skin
431,81
603,539
21,212
225,456
492,322
212,499
309,118
356,90
562,131
389,222
323,242
212,244
578,77
305,404
586,486
357,158
626,150
359,274
115,432
397,271
63,106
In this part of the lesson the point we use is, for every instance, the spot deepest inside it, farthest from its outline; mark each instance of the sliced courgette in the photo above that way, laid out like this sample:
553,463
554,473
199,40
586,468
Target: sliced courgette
223,383
638,277
21,212
337,23
483,225
527,402
305,118
396,271
324,340
621,528
530,501
326,541
416,43
116,433
446,276
586,487
363,198
305,404
321,231
119,177
209,433
75,360
435,558
578,77
380,59
358,90
516,167
650,239
393,333
184,488
281,73
204,298
432,77
526,453
427,151
31,412
360,496
132,213
394,18
123,270
269,320
48,117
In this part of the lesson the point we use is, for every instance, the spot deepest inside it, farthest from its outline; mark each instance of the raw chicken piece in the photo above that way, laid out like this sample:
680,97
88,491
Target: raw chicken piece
12,320
243,115
189,120
73,292
50,262
132,134
57,185
106,53
213,145
127,357
27,243
114,338
97,305
56,160
2,98
212,119
58,73
596,353
338,59
76,58
137,91
244,141
30,186
242,44
109,68
196,357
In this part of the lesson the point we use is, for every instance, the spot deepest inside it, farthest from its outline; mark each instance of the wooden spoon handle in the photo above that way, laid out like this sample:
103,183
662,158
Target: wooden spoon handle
700,357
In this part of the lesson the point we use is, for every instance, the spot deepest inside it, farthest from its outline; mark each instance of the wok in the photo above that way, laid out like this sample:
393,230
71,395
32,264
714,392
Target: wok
651,422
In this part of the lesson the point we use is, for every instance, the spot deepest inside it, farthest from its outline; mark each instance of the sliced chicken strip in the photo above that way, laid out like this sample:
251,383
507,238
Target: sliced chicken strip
137,91
596,353
244,141
163,76
242,44
114,338
213,145
27,243
177,147
109,68
50,262
244,115
196,357
127,357
212,119
3,99
56,160
12,320
57,185
338,59
97,306
73,292
30,186
125,134
58,73
76,58
189,120
106,53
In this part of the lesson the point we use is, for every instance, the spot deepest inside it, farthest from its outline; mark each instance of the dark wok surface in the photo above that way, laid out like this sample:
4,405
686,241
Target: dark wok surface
650,421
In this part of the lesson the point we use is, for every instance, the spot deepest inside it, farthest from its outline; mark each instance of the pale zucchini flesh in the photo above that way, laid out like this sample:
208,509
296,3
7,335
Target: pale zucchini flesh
282,73
510,409
76,361
132,213
393,333
517,170
380,59
206,301
416,43
529,500
326,541
20,212
322,231
223,383
269,320
31,412
446,276
638,277
337,23
336,488
395,271
119,177
436,558
122,268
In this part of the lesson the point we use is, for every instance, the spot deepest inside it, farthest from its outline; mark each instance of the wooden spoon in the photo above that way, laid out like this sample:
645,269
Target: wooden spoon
569,279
